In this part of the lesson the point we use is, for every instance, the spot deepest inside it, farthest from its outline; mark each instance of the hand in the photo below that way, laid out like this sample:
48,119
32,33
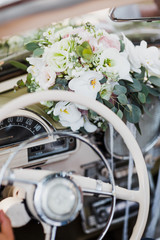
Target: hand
6,228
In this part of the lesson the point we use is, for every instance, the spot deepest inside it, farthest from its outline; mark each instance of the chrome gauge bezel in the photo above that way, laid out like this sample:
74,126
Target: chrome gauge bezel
30,115
42,212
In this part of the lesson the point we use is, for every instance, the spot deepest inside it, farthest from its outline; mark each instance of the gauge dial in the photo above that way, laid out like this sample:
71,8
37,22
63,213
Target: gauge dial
17,129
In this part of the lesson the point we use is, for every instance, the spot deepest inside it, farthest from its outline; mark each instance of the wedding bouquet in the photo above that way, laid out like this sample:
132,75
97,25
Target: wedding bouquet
92,62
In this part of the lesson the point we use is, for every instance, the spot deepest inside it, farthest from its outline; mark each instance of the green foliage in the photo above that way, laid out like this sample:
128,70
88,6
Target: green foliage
118,89
31,46
38,52
155,81
133,113
85,51
18,65
142,97
123,99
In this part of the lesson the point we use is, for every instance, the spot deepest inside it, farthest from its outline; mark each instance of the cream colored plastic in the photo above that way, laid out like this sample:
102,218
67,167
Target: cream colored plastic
142,195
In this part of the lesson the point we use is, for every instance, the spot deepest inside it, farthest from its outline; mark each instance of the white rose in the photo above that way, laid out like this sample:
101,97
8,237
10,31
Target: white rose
57,55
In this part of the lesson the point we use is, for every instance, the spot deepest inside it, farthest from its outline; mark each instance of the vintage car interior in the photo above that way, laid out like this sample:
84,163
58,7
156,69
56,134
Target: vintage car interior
57,183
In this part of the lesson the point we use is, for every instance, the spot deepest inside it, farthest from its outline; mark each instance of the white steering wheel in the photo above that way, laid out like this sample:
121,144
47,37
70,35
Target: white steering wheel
141,196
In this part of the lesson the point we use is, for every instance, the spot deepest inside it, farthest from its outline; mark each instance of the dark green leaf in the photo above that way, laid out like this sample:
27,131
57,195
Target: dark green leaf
118,89
31,46
133,115
135,86
155,81
145,89
38,52
122,99
108,104
55,118
120,114
103,80
18,65
138,128
140,75
153,92
141,97
114,109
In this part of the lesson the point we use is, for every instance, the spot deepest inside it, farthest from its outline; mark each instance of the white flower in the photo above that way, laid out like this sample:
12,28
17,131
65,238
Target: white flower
132,56
88,126
43,75
56,56
36,64
149,58
46,77
69,115
87,83
113,62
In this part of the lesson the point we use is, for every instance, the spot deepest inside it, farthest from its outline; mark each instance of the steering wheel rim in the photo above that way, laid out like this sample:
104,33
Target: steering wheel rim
142,195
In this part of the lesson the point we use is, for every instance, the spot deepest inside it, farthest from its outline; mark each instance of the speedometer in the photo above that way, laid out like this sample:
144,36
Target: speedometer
16,129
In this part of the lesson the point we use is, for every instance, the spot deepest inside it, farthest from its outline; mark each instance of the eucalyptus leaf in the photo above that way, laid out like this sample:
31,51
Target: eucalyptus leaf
122,99
155,80
141,97
153,92
108,104
38,52
134,115
135,86
120,114
145,89
31,46
118,89
103,80
140,76
114,109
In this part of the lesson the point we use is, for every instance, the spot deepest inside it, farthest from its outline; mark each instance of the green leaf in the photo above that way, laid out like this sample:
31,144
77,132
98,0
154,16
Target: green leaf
135,86
31,46
114,109
133,115
138,128
153,92
103,80
55,118
155,80
140,76
85,51
108,104
141,97
120,114
122,99
29,77
122,46
18,65
118,89
21,84
38,52
145,89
